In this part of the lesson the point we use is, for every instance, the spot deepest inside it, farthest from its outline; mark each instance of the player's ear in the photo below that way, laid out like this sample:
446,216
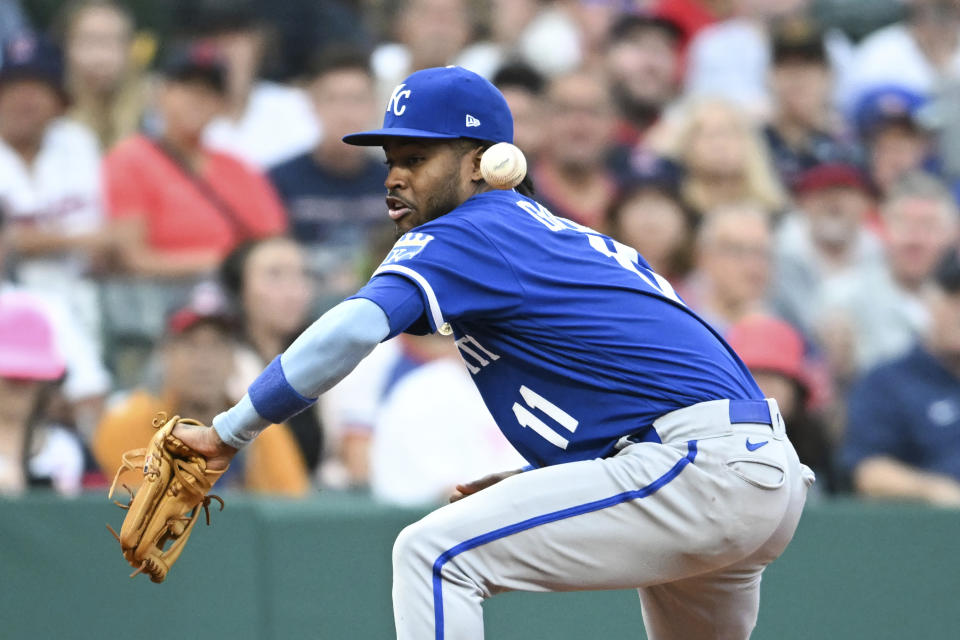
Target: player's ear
475,154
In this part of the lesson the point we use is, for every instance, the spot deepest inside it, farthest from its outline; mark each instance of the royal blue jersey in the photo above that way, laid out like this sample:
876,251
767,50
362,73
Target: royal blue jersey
572,340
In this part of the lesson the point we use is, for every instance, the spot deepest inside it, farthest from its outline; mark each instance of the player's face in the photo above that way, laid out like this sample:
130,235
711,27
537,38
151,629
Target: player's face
426,179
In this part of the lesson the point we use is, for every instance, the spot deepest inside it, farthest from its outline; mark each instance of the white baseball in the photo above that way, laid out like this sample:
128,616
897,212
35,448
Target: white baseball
503,166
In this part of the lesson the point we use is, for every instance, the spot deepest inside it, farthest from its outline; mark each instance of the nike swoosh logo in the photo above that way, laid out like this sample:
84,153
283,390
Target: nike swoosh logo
753,446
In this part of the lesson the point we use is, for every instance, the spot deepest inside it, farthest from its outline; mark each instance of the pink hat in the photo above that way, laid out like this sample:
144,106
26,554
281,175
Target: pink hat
765,343
27,350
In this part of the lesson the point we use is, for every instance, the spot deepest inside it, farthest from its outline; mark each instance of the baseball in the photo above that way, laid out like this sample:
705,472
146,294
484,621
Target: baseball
503,166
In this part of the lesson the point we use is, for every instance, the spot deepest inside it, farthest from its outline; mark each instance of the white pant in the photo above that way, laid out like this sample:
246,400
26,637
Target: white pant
691,522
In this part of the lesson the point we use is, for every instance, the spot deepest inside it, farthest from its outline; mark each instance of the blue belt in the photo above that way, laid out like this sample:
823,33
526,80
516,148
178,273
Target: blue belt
753,411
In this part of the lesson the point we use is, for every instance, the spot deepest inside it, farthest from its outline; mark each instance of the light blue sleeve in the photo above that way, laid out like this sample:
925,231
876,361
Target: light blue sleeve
319,358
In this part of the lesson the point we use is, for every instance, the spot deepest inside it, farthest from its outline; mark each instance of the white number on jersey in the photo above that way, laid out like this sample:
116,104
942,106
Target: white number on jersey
526,418
471,350
625,256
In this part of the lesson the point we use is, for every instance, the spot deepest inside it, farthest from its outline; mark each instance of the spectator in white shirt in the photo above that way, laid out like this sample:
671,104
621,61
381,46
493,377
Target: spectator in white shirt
87,381
50,187
917,53
49,166
266,122
432,428
731,58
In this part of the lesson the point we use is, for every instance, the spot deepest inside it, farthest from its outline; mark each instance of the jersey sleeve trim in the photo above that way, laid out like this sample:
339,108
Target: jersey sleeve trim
435,316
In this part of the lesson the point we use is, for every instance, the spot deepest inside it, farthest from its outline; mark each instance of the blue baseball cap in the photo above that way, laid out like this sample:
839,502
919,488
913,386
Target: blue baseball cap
443,103
28,56
887,104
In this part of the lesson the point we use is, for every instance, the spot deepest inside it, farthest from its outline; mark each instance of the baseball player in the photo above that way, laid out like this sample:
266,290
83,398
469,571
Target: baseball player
655,461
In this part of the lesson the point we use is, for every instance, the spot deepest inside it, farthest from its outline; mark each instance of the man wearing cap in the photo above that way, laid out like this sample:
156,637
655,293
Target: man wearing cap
625,403
196,358
177,206
903,429
49,171
801,133
825,240
49,165
888,120
50,190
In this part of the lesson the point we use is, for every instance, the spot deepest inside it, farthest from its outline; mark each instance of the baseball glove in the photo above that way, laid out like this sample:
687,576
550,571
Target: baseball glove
168,503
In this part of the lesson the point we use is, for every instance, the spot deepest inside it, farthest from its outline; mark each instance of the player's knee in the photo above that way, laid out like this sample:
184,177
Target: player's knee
413,548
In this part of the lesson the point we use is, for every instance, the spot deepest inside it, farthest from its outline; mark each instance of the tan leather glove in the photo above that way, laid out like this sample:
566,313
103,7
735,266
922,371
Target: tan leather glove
167,504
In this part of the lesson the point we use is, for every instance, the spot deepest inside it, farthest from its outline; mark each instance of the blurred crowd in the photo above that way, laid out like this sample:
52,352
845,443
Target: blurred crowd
176,205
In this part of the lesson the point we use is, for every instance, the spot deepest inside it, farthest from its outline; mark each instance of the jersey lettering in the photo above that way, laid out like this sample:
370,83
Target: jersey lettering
626,257
541,214
466,345
526,418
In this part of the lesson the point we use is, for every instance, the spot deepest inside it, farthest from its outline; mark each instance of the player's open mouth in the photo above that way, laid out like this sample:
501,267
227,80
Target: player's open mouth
397,208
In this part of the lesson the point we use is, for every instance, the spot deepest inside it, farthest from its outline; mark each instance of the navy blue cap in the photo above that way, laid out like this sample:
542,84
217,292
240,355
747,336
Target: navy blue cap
650,171
28,56
885,104
198,61
442,103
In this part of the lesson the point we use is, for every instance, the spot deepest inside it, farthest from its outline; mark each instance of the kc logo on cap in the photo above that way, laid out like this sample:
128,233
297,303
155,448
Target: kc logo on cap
398,94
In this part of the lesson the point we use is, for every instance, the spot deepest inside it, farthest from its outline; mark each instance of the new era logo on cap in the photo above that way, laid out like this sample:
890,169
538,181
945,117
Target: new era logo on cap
472,122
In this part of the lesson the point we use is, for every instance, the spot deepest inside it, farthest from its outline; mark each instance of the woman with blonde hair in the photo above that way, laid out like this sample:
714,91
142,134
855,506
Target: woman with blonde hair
725,158
105,68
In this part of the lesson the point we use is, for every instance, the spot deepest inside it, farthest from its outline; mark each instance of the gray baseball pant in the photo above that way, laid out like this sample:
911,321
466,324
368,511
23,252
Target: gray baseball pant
691,523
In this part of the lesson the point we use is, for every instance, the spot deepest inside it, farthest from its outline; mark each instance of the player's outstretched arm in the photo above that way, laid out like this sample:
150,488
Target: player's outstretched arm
323,354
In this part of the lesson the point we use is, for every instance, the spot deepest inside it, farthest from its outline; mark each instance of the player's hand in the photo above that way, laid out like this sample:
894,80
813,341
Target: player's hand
464,490
206,441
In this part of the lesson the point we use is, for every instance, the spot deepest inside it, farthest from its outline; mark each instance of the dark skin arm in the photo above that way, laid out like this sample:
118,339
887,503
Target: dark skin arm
469,488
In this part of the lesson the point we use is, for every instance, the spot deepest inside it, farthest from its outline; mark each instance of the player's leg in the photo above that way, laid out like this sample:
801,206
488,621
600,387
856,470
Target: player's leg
648,515
723,604
716,606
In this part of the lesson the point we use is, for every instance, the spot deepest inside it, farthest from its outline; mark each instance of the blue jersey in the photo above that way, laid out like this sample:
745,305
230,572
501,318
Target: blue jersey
572,340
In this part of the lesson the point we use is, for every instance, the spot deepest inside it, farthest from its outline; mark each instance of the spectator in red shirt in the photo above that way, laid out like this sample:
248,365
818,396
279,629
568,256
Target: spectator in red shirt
643,63
179,207
571,175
